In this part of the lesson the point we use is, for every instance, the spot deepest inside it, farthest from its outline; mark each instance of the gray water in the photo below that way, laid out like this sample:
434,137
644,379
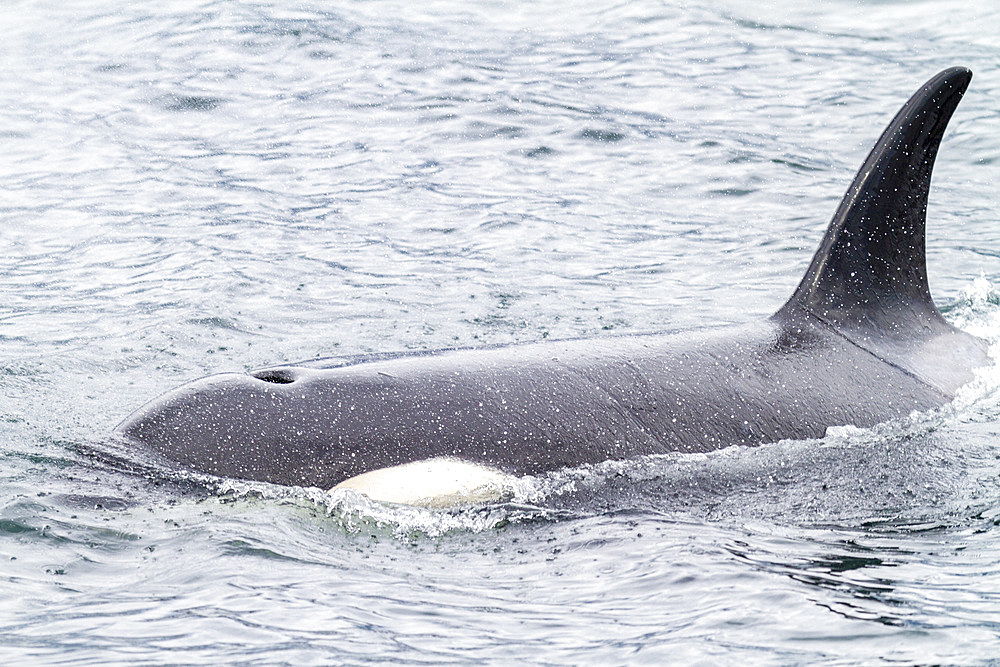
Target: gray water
218,186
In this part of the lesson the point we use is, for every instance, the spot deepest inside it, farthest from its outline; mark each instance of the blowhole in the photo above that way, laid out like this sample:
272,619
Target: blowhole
276,376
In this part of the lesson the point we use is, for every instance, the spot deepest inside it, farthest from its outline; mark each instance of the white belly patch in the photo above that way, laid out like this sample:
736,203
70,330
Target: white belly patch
437,483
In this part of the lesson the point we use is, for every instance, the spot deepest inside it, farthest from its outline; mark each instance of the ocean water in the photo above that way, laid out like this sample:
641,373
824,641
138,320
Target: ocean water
198,187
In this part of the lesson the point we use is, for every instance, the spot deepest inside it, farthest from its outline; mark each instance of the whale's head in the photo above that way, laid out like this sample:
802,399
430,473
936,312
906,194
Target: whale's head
279,425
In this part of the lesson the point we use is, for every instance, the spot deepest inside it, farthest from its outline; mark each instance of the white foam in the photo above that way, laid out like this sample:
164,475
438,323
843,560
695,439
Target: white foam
437,483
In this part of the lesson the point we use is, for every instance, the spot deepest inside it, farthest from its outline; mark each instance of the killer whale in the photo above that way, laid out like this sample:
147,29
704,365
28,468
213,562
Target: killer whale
859,342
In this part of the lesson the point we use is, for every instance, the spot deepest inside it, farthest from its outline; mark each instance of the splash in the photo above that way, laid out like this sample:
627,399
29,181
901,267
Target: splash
978,312
356,513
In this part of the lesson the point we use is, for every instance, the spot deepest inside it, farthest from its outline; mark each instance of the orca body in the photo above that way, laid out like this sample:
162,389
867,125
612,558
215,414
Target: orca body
859,342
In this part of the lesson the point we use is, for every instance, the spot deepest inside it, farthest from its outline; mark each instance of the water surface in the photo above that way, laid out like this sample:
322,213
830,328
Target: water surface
217,186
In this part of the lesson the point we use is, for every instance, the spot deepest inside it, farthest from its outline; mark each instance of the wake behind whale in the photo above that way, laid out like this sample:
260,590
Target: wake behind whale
859,342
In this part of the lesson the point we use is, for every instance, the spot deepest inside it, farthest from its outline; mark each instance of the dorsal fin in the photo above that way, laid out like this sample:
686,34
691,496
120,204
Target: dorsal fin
868,280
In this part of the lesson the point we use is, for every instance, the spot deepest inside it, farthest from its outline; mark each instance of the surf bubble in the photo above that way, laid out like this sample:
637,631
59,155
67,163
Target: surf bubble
977,309
356,513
